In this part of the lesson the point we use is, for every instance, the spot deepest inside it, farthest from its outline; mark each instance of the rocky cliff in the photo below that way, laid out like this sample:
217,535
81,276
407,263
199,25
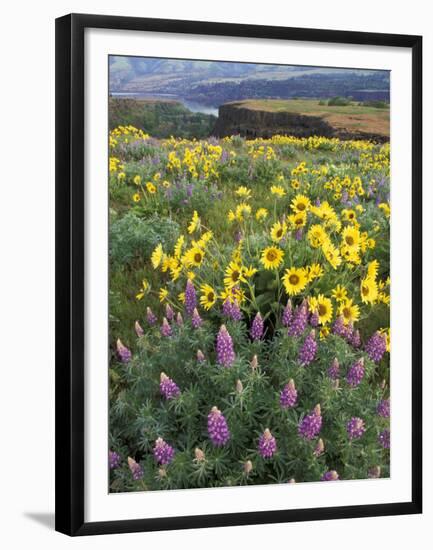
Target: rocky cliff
236,119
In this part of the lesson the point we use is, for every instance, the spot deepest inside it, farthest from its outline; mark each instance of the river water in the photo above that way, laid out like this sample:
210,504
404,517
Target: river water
193,106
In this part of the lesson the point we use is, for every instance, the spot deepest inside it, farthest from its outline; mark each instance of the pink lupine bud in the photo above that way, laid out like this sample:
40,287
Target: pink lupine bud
196,320
123,352
179,319
138,329
165,328
239,386
254,363
150,316
169,313
200,356
199,455
319,448
248,466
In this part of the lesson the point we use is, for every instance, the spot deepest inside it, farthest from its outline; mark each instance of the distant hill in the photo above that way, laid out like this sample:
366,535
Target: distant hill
213,83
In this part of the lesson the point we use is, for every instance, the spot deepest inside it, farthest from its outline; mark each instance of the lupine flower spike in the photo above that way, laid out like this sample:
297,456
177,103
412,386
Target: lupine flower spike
289,395
138,329
167,387
165,328
310,425
217,428
224,348
163,452
113,460
257,327
267,444
196,320
150,316
135,468
123,352
307,353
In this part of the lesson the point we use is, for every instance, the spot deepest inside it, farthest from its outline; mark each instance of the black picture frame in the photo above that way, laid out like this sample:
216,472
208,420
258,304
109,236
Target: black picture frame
70,283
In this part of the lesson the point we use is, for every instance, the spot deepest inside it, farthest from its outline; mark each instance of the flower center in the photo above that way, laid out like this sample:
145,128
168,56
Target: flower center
279,233
235,275
322,310
350,240
294,279
211,297
271,255
300,206
197,257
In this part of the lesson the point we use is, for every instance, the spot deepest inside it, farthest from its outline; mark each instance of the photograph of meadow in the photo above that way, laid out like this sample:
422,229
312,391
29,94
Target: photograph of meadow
249,281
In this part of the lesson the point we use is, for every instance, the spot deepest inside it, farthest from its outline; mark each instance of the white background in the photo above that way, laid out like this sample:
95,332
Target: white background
27,274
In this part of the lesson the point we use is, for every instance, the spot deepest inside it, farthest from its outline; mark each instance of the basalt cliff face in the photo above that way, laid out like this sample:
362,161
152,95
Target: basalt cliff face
234,119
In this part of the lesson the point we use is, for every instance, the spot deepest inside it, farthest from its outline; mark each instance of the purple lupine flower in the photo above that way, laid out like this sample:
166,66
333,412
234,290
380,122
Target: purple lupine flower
356,373
311,424
384,439
224,347
150,316
307,352
217,427
330,475
165,328
123,352
138,329
196,320
289,395
317,202
334,370
113,460
232,310
355,428
299,320
190,297
376,346
314,318
267,444
287,314
169,313
163,452
257,327
355,339
179,319
167,387
319,448
383,408
136,469
200,356
374,472
341,329
298,234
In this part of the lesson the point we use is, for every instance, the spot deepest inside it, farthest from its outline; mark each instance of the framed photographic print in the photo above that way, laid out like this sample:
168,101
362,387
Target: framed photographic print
238,274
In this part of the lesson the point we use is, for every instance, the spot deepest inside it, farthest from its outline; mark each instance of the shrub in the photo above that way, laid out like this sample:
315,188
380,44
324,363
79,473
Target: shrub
338,101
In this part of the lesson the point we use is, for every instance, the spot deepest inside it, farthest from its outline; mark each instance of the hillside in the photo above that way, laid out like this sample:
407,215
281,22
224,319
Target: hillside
267,117
160,118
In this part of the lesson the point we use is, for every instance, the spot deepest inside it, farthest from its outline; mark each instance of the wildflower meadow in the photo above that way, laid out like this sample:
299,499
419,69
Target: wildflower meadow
249,311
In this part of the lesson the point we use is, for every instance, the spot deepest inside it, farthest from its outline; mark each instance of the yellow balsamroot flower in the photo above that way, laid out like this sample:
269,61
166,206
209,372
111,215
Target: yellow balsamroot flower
205,238
242,210
137,179
163,293
295,280
385,209
233,275
339,293
178,247
175,272
278,231
295,184
250,271
193,257
300,203
372,269
145,287
368,290
150,188
195,223
272,257
317,236
298,220
387,333
278,190
261,214
314,271
208,296
351,237
384,298
121,176
136,197
349,311
157,256
181,297
323,307
168,263
332,254
166,184
350,255
232,294
231,216
324,332
349,215
243,191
